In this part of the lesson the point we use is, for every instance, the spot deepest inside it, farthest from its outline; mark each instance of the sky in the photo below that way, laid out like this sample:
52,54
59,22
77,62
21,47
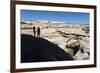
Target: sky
67,17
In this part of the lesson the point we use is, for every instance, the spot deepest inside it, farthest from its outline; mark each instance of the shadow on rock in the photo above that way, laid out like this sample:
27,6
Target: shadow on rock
41,50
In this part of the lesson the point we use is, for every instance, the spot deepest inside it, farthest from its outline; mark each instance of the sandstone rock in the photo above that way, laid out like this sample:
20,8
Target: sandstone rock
66,36
81,56
70,51
73,43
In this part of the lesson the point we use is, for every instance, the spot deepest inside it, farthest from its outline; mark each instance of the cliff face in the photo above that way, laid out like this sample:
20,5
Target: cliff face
72,38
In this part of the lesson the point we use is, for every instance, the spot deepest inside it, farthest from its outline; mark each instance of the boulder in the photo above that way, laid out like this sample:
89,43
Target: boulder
73,43
72,47
70,51
81,56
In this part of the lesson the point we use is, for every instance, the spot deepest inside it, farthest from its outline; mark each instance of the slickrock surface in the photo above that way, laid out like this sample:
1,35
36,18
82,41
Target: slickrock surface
72,38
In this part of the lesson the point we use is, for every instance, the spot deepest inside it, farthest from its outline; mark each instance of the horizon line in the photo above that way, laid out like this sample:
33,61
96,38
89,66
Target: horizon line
56,21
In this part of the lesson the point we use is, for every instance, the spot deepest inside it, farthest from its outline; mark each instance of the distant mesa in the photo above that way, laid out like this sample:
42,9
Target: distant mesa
42,21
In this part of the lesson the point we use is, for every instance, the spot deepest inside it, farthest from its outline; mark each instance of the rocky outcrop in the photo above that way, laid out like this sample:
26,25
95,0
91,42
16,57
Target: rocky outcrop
72,45
77,47
35,49
73,38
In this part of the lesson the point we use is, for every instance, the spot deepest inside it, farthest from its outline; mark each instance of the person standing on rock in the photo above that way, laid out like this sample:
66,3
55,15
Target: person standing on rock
38,32
34,31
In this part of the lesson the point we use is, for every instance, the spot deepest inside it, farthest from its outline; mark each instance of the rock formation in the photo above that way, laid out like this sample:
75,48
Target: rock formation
72,38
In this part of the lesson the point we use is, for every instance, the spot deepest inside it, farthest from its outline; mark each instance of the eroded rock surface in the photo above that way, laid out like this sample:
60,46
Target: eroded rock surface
72,38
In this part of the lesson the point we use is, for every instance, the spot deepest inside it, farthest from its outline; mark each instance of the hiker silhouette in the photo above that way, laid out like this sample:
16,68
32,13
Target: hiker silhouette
38,32
34,31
